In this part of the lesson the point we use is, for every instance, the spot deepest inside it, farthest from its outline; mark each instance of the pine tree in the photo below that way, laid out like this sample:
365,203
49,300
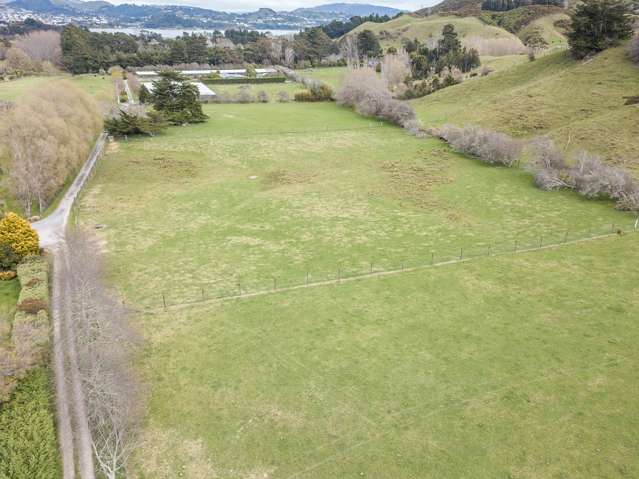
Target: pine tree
177,98
449,41
599,24
368,44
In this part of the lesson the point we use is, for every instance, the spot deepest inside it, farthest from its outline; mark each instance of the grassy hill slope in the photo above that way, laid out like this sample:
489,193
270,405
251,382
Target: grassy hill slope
411,27
553,35
580,104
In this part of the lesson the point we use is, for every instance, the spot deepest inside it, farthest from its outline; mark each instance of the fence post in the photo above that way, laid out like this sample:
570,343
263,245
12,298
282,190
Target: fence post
541,241
339,274
239,286
164,301
307,278
371,267
432,258
489,248
202,293
612,228
515,246
461,254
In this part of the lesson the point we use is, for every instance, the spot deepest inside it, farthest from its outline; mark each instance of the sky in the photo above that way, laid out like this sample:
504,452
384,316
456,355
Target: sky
251,5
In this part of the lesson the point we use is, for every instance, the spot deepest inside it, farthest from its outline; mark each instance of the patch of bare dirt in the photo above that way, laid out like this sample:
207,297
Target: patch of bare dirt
279,178
414,182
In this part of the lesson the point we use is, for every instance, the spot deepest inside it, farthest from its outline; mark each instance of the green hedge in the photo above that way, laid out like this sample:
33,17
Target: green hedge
240,81
28,346
28,445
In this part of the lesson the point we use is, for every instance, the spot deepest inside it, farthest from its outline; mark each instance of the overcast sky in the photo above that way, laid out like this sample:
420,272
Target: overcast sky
250,5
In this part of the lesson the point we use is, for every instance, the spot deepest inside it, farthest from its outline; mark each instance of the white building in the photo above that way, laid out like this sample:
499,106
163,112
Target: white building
206,94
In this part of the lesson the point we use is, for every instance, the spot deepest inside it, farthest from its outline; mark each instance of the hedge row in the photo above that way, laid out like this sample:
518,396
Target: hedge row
240,81
28,446
28,344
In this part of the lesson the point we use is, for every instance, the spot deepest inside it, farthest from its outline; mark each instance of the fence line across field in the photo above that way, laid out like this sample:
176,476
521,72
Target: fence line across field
244,287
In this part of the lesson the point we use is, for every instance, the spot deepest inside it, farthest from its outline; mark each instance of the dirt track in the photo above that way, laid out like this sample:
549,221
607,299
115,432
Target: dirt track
74,436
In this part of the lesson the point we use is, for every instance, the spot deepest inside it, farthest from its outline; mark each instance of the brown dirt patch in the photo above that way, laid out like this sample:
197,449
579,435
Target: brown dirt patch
414,181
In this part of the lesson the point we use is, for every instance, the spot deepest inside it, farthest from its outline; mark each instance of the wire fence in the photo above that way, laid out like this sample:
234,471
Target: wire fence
239,286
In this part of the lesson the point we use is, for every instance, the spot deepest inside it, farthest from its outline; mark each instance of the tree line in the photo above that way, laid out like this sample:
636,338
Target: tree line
48,134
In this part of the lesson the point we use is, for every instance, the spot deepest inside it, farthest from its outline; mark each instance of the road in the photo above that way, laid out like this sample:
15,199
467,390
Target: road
73,429
129,94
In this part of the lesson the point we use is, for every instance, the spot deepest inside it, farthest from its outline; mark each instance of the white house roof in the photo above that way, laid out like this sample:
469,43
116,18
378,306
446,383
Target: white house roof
239,71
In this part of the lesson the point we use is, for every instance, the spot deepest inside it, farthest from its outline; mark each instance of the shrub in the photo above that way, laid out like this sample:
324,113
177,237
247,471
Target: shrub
364,91
129,123
32,305
489,146
17,234
283,97
589,176
244,95
319,92
7,275
263,97
28,446
547,164
8,258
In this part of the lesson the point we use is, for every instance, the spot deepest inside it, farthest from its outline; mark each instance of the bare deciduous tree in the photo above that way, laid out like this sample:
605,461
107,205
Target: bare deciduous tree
489,146
289,56
363,90
41,46
396,70
547,164
350,51
18,62
48,134
105,344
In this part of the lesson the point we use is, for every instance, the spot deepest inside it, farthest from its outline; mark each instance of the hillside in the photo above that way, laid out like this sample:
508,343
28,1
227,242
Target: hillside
580,104
410,27
350,9
459,7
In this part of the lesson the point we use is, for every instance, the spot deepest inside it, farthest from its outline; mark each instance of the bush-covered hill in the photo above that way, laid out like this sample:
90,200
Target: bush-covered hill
579,103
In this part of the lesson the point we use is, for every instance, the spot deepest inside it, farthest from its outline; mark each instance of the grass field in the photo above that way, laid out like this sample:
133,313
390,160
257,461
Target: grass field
518,365
380,196
580,104
272,89
96,85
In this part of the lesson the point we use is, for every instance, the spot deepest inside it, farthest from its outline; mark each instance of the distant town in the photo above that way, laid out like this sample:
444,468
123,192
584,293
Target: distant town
105,15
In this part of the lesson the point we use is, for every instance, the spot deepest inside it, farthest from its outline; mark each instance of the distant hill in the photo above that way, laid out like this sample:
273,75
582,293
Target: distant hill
172,16
457,7
475,7
351,9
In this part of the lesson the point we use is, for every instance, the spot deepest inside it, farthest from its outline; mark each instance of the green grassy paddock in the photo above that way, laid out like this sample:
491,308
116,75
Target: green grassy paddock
511,366
264,191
